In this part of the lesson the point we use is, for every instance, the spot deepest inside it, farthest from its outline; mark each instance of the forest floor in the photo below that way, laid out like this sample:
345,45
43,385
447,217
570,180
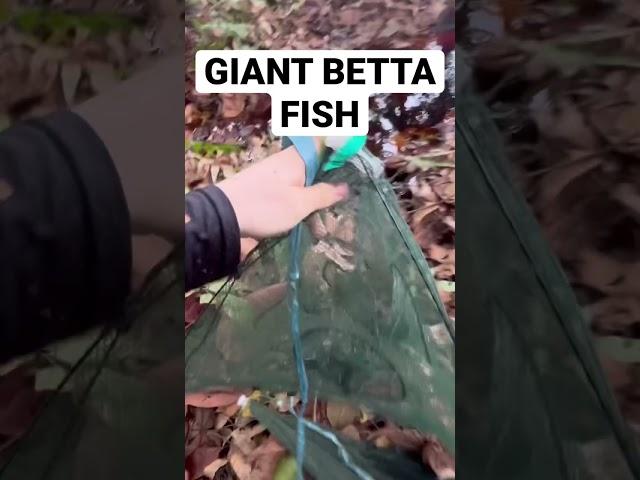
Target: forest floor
563,82
413,134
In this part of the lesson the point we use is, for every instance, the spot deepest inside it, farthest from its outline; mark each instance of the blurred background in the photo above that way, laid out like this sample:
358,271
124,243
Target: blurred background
562,82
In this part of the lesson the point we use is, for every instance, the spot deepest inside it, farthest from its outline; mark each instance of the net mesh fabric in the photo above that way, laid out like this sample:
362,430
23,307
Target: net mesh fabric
99,423
533,388
374,332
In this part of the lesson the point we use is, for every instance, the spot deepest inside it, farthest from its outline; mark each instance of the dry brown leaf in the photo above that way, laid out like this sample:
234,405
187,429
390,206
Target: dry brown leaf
440,461
422,213
351,432
210,470
614,315
192,116
211,400
341,414
615,121
607,274
441,254
221,421
566,123
200,459
405,439
556,180
241,466
350,16
382,442
446,191
269,447
233,104
243,438
265,459
231,410
422,190
599,271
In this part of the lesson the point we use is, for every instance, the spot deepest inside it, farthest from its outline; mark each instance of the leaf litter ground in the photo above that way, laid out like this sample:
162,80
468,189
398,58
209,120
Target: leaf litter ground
564,84
413,134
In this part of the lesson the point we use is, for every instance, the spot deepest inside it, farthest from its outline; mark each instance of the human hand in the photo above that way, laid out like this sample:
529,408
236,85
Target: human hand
269,198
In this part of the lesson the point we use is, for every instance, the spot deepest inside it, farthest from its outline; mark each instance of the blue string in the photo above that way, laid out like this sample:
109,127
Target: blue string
307,150
344,454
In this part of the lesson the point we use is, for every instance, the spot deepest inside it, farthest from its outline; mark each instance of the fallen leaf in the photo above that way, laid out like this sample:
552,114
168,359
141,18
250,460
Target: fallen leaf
231,410
211,400
351,432
233,104
350,16
598,270
434,455
405,439
266,459
240,464
210,470
341,414
243,438
422,213
192,310
556,180
440,254
192,116
200,459
382,442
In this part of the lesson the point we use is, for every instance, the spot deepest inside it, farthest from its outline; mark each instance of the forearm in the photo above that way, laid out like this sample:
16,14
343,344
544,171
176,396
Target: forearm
140,123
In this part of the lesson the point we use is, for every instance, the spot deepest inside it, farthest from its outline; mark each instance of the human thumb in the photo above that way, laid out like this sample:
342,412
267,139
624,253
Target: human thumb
323,195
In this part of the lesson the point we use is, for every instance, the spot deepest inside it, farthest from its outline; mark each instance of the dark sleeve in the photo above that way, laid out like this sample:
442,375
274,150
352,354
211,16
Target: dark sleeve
65,240
212,237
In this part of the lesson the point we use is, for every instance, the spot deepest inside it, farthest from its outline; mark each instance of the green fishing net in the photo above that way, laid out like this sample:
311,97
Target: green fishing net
373,330
533,398
115,407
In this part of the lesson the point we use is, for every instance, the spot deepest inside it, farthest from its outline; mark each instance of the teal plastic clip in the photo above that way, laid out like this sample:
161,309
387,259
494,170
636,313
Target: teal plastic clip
350,149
